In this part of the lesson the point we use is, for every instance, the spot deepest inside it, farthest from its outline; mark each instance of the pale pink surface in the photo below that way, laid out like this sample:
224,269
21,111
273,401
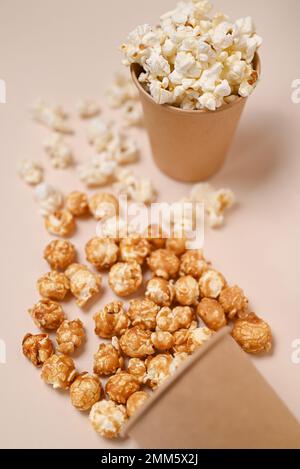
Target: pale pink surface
64,50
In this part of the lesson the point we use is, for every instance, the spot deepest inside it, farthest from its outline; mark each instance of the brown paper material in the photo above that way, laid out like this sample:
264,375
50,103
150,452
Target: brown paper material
189,146
218,399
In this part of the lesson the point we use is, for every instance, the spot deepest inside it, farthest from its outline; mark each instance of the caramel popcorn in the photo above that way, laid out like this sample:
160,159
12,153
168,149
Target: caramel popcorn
60,223
176,245
49,199
253,334
135,401
187,291
47,314
59,151
234,302
37,348
211,284
121,386
158,369
107,361
137,368
162,340
59,371
77,203
142,313
87,108
102,252
155,236
70,336
212,314
125,278
197,337
103,205
134,248
177,362
30,172
53,285
192,263
85,391
136,343
108,418
60,254
160,291
84,284
111,321
171,320
163,263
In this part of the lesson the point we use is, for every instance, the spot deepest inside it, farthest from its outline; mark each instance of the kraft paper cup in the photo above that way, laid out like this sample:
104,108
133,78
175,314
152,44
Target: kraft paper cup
189,146
217,399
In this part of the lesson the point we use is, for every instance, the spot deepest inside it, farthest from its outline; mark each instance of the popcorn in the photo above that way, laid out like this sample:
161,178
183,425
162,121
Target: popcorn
85,391
192,263
121,386
171,320
138,189
59,371
100,133
211,284
136,343
253,334
234,302
137,368
142,313
98,172
135,401
132,114
87,108
108,418
103,205
70,336
77,203
158,369
134,248
60,254
160,291
52,117
30,172
37,348
125,278
121,91
84,284
102,252
47,314
187,291
107,361
163,263
49,199
59,151
212,314
53,286
162,340
111,321
60,223
189,59
123,149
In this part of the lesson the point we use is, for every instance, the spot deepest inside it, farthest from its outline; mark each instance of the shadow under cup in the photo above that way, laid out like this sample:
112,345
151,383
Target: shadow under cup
189,146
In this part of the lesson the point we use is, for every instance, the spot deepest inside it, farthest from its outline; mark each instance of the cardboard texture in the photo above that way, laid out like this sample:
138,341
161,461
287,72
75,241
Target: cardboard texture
189,146
217,400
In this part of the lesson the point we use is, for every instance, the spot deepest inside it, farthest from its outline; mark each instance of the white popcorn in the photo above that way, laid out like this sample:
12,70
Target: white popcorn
59,151
138,189
193,61
52,117
98,172
100,133
123,149
30,172
132,113
215,202
87,108
49,199
121,91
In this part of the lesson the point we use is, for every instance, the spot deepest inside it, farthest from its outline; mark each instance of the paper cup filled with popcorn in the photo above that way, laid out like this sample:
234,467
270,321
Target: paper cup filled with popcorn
194,73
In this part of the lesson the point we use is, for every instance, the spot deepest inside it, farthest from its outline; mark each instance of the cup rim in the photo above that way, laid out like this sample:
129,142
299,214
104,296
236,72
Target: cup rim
135,68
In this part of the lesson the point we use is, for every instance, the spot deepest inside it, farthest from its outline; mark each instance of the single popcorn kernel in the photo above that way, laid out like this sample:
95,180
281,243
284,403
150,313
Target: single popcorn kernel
47,314
107,361
155,236
192,263
125,278
70,336
189,340
77,203
60,223
108,418
87,108
137,368
176,245
37,348
171,320
59,371
163,263
158,369
84,284
102,252
135,401
212,314
120,387
60,254
111,321
103,206
211,284
134,248
136,343
234,302
160,291
253,334
53,285
142,313
187,291
162,340
85,391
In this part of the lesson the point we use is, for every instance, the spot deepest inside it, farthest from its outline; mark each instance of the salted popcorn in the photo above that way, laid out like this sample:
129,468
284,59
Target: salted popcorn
60,223
108,418
211,284
47,314
121,91
60,254
70,336
59,150
84,284
59,371
77,203
125,278
102,252
53,285
195,61
135,401
37,348
160,291
111,321
87,108
103,205
97,172
49,199
138,189
142,313
30,172
158,369
52,117
121,386
85,391
107,361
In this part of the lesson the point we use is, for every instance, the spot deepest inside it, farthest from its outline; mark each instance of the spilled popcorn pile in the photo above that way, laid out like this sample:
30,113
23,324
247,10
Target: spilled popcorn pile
194,61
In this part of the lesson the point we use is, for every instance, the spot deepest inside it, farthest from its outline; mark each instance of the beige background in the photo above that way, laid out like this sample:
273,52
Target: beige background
66,49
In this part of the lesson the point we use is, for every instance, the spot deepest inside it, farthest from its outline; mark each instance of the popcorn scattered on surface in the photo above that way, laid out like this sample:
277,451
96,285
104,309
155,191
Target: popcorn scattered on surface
59,151
163,263
77,203
84,284
60,223
37,348
108,418
30,172
137,368
158,369
99,171
47,314
138,189
87,108
212,314
253,334
111,321
52,117
70,336
102,252
85,391
132,114
194,61
59,371
103,205
53,286
121,91
136,343
135,401
125,278
160,291
107,361
49,199
60,254
142,313
121,386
